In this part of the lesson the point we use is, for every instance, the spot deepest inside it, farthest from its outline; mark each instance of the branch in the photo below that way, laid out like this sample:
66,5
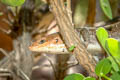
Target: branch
71,37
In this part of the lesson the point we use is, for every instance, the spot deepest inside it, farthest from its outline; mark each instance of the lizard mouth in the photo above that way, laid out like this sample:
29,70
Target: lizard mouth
52,49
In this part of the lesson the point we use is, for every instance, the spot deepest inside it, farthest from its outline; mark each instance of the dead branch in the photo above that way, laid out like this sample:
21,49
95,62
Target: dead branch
20,61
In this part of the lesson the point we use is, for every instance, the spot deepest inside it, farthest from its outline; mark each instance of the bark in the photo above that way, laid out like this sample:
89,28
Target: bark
71,37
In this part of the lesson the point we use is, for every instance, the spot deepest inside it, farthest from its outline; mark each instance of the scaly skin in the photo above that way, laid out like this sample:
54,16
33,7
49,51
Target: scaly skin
49,44
53,44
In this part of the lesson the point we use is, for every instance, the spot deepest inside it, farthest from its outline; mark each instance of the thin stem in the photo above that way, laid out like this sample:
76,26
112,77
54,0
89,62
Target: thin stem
4,52
50,61
106,77
108,52
99,77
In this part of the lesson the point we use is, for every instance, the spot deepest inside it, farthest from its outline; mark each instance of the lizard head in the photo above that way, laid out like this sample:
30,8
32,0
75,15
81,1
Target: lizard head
49,44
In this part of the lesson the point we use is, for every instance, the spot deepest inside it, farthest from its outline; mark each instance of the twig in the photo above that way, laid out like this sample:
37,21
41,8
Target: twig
5,53
25,76
5,31
50,61
40,66
71,65
105,26
6,72
5,61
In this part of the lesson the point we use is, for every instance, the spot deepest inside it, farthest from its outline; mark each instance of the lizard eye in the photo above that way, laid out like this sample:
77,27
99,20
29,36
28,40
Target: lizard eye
42,41
56,40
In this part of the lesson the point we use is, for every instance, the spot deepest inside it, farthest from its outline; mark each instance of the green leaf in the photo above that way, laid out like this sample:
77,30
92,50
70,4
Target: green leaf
13,2
71,48
75,76
113,46
103,67
89,78
114,65
115,76
105,5
102,35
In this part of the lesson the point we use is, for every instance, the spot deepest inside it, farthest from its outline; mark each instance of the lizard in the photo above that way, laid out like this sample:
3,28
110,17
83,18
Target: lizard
49,44
53,44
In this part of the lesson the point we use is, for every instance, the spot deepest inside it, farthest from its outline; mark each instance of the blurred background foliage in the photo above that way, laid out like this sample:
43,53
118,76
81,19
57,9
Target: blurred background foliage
81,9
